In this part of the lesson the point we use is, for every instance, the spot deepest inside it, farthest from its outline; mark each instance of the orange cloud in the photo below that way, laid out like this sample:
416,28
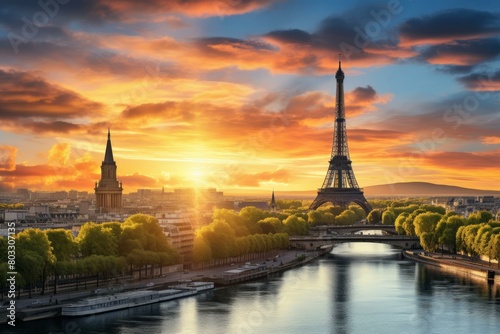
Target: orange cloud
197,8
59,154
464,160
490,140
7,157
256,179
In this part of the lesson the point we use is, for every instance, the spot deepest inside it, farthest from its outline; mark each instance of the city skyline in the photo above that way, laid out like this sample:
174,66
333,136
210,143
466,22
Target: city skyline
240,95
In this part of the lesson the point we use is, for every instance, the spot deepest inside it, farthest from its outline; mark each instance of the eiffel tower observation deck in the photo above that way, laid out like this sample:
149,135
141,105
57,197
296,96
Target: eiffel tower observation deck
340,186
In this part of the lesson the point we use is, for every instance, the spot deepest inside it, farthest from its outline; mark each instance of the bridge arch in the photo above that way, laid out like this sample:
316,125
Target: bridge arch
315,243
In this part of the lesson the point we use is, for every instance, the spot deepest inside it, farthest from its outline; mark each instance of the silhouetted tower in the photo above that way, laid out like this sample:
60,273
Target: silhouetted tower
108,191
340,186
273,203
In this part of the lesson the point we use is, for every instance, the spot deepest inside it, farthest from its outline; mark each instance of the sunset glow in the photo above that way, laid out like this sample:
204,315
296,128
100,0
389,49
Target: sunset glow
240,95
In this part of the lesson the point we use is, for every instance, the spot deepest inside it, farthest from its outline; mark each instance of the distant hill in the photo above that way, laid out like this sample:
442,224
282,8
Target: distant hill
424,189
404,189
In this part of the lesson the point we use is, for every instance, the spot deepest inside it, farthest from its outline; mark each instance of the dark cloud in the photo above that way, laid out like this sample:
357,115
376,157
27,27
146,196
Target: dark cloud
344,34
294,36
103,11
462,53
30,103
226,47
455,69
464,117
364,93
449,25
24,94
486,81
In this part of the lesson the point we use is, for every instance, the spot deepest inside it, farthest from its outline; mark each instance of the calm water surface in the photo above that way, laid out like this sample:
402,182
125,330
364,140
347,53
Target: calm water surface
358,288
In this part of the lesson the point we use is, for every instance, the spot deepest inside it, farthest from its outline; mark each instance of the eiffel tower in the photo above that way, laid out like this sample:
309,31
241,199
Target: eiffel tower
340,186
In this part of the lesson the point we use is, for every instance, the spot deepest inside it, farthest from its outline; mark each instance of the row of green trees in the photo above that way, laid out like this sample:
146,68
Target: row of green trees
477,235
252,230
102,250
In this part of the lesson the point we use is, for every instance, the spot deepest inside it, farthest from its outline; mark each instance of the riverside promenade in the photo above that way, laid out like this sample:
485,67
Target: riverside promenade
476,269
283,260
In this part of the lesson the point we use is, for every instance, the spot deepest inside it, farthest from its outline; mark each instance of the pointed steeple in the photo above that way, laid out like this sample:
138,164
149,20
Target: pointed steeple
273,201
108,156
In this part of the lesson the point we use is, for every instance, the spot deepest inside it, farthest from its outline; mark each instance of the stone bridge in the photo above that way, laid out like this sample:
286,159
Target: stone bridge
315,243
330,230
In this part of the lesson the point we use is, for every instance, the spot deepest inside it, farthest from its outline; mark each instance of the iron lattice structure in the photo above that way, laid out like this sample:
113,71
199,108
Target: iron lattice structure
340,186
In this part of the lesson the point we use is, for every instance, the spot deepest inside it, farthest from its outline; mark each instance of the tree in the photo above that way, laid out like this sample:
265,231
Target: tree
388,217
447,230
494,247
295,225
289,204
316,217
64,246
373,217
427,241
359,212
479,217
482,239
270,225
433,208
34,255
94,239
30,265
426,222
237,222
251,215
143,232
408,224
400,222
347,217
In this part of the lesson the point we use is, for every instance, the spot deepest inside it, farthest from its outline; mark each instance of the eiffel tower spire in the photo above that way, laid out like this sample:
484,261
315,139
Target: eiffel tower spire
340,186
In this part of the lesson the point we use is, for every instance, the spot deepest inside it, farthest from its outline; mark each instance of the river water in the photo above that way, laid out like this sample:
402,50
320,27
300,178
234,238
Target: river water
357,288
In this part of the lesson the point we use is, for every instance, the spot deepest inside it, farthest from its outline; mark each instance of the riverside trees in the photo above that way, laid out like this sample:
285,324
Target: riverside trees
238,234
477,235
100,250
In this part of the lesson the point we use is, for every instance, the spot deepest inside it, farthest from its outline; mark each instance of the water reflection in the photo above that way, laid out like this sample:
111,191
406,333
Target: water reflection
358,288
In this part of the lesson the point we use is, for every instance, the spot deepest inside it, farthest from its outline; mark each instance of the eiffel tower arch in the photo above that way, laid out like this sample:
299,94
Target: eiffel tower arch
340,186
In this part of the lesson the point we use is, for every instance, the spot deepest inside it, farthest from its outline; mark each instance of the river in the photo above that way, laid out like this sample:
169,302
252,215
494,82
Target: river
357,288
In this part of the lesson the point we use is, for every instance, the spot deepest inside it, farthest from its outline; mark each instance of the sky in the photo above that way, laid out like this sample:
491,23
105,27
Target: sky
240,95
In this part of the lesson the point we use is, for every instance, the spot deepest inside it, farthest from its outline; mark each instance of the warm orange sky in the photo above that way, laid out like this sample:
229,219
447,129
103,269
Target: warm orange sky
240,95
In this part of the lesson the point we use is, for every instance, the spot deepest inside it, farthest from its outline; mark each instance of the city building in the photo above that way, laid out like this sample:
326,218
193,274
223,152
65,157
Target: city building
108,191
178,229
465,205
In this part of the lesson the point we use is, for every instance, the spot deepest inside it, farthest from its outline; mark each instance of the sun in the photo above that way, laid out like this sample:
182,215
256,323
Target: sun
197,177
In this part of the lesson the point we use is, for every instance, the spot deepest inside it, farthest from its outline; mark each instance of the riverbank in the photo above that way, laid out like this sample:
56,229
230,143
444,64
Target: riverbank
44,306
475,270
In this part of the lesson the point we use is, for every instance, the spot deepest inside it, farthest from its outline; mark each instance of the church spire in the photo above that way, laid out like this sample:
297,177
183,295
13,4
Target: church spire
108,156
273,202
